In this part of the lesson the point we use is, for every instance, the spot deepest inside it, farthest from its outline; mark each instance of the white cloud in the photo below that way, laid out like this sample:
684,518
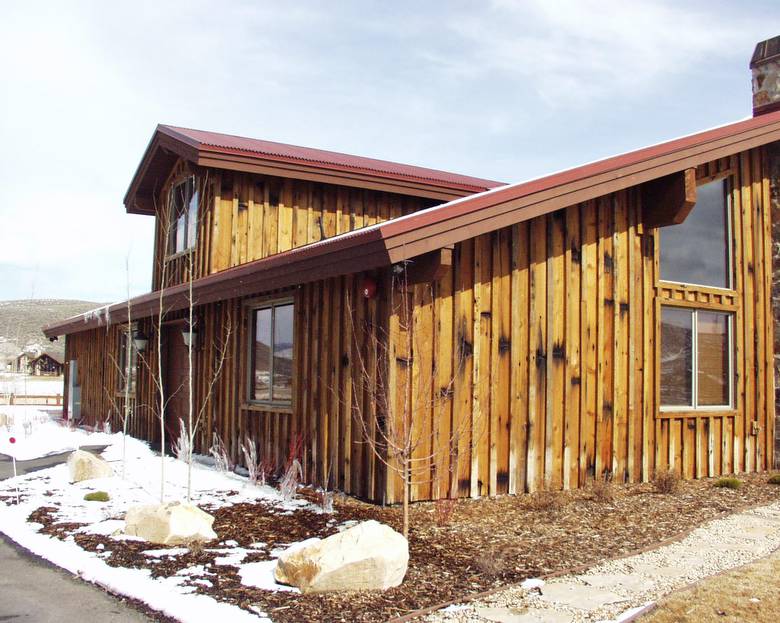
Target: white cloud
482,88
572,51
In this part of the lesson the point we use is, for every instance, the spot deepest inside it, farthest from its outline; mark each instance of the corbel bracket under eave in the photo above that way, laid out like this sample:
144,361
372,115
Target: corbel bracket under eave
669,199
430,266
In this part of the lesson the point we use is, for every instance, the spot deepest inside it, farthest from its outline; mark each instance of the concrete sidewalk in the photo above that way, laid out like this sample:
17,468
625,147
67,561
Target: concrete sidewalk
31,589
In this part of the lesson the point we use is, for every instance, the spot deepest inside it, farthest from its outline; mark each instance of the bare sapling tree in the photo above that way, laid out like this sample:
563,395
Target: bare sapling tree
157,372
388,420
124,367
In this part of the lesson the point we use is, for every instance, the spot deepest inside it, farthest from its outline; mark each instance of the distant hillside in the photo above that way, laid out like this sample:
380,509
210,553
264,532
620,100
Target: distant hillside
21,321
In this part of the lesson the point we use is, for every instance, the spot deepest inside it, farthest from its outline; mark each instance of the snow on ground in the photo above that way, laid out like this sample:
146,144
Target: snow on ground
27,385
37,433
141,485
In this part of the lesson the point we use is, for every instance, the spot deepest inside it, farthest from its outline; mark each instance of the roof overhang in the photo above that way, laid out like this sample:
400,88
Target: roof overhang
168,144
421,232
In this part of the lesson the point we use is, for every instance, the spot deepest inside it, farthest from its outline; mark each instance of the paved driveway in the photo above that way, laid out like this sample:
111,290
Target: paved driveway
31,589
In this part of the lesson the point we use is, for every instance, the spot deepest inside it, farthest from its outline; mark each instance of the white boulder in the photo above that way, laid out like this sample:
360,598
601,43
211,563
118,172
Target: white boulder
173,523
368,556
84,465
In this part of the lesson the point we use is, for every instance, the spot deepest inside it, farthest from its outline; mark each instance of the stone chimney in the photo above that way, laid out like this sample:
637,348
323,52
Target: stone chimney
765,67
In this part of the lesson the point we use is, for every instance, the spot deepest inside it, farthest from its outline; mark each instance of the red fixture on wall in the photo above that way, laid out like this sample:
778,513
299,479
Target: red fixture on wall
368,287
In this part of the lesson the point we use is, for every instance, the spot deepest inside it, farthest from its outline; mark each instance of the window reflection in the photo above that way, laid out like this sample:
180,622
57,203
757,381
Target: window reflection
696,251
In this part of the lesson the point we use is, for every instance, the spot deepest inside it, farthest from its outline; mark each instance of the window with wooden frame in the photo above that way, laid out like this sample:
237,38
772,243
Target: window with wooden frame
183,216
271,353
127,363
698,250
697,359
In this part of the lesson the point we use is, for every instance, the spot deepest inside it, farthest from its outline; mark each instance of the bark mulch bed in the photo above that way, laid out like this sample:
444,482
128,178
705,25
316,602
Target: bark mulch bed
456,549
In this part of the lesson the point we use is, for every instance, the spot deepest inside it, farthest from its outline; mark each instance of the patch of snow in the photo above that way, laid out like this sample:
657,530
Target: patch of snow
37,434
532,583
173,596
233,558
106,528
261,575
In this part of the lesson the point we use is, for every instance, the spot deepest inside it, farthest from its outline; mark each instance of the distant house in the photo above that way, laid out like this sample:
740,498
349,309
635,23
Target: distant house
611,320
46,364
21,363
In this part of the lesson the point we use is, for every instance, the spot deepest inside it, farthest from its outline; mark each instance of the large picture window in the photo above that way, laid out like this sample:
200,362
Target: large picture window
696,359
697,251
272,353
183,216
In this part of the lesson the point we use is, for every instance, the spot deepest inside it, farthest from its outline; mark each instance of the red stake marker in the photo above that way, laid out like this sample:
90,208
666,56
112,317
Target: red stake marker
13,458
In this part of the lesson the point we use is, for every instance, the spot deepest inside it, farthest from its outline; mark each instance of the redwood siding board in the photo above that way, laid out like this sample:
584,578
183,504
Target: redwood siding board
532,362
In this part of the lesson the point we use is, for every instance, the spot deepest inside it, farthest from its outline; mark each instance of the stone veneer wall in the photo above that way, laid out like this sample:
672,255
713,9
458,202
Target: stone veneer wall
774,171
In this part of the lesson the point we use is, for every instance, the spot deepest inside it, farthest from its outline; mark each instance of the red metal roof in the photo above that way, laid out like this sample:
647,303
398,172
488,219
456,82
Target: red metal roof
230,144
449,223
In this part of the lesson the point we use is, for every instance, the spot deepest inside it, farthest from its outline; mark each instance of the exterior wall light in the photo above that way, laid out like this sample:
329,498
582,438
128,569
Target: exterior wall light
140,340
190,335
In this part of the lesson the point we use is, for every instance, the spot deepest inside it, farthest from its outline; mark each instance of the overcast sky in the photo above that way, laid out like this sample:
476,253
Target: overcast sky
508,90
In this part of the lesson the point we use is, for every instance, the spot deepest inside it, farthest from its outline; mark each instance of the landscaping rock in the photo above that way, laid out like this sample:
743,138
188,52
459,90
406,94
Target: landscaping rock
368,556
169,524
84,465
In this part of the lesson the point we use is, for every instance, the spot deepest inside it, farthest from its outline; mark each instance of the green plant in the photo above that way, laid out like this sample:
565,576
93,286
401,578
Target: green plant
666,481
728,483
774,479
97,496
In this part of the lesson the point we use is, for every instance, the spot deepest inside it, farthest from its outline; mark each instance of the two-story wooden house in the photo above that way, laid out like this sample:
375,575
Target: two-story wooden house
612,319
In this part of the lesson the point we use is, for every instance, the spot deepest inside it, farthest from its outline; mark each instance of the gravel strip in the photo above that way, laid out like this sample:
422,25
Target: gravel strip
714,547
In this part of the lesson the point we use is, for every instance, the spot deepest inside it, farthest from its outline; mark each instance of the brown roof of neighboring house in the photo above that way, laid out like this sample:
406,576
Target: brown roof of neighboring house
225,151
433,228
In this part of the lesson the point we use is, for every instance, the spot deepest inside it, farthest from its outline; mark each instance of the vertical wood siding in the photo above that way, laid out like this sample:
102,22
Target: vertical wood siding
246,217
534,362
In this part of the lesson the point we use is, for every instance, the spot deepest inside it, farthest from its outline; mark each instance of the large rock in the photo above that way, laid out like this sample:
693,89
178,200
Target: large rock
368,556
86,466
169,524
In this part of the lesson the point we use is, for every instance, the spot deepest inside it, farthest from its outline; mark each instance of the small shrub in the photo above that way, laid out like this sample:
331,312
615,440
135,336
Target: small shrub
728,483
182,448
545,501
97,496
774,479
195,546
220,454
249,450
288,485
444,508
325,502
666,481
491,564
601,490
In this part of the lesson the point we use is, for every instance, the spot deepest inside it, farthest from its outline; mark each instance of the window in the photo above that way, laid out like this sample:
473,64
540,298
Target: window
696,358
272,353
184,216
697,251
127,349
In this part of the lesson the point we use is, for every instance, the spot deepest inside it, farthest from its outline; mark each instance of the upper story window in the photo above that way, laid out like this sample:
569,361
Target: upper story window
183,216
698,251
272,353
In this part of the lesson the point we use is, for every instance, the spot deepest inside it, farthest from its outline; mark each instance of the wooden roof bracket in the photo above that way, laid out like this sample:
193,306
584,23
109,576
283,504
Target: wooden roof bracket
668,200
429,267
